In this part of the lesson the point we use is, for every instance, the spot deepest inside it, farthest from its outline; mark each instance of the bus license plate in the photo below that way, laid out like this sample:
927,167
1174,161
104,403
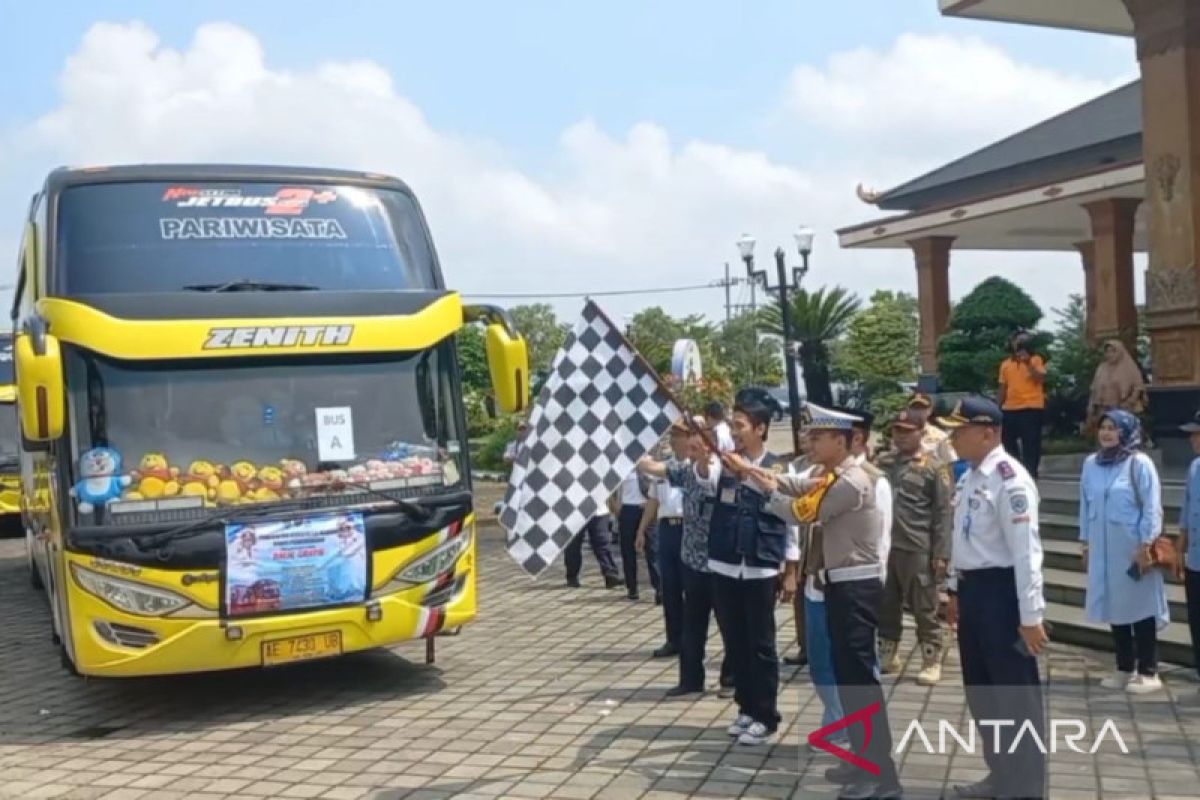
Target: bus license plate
301,648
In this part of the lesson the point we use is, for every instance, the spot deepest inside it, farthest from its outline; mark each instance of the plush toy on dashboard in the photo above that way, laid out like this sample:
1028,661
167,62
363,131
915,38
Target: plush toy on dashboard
101,480
155,478
293,472
200,481
269,485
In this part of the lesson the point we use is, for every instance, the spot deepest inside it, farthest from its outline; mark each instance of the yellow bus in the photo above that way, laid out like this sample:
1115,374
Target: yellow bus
10,479
243,439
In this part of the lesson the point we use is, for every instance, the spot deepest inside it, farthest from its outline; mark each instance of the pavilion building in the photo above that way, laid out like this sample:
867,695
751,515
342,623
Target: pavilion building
1115,176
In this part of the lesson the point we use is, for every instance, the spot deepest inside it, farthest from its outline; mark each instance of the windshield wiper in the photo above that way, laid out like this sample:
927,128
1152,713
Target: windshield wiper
247,285
198,526
411,507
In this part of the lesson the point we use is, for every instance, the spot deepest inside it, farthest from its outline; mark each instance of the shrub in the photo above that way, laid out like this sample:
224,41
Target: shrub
491,454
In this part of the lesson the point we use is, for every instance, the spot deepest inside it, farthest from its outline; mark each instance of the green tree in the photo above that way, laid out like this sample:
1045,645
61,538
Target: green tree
970,352
543,333
1070,370
749,359
653,332
472,359
880,351
818,319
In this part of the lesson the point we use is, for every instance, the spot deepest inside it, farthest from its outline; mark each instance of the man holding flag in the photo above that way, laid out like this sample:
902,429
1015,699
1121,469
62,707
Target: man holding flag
754,557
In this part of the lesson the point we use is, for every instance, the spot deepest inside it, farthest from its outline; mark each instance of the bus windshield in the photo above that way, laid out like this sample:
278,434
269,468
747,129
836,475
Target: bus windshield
159,442
162,237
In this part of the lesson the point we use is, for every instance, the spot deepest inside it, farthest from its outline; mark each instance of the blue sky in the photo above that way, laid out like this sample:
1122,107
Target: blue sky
507,80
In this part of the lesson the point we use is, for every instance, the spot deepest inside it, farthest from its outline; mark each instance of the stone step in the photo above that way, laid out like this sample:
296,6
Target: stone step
1065,527
1068,624
1069,588
1061,495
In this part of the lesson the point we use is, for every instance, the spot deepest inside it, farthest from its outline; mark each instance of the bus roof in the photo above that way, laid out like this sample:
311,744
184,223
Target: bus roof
64,177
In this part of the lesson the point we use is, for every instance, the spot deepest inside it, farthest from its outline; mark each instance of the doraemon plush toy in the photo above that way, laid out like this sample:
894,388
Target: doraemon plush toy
102,481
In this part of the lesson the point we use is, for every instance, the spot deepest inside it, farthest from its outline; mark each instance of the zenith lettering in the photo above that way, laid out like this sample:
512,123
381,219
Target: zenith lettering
250,228
279,336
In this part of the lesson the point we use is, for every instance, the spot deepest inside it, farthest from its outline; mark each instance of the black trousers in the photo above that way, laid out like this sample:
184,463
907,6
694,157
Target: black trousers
1191,584
1022,437
1137,646
697,610
748,610
853,609
628,520
670,570
1001,679
596,532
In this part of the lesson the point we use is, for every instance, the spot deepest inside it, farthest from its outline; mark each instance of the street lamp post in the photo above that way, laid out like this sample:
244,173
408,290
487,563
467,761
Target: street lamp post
804,242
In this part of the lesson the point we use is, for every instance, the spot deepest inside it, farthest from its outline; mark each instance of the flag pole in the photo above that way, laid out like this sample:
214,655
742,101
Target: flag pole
708,437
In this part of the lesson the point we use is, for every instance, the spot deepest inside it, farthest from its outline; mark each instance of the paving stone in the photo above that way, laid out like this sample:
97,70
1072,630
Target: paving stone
513,708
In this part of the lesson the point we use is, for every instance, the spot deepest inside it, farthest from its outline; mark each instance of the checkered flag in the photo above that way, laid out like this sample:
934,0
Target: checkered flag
599,412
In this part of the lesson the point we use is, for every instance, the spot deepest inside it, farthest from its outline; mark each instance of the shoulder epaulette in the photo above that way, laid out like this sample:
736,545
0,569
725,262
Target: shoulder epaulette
873,471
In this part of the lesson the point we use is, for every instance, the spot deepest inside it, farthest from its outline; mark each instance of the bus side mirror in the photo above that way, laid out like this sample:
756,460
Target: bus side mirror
40,393
508,364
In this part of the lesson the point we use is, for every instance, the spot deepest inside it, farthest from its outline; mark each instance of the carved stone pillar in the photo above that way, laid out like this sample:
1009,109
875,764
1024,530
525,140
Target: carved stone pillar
1168,46
1112,266
932,254
1087,252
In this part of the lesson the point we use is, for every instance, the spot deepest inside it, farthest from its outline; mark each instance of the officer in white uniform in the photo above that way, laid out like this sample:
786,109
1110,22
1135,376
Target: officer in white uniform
996,597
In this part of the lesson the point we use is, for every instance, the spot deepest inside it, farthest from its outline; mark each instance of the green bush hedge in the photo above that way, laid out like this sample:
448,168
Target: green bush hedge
491,454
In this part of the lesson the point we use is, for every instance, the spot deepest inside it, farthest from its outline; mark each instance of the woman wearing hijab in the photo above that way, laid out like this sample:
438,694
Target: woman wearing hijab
1120,514
1118,382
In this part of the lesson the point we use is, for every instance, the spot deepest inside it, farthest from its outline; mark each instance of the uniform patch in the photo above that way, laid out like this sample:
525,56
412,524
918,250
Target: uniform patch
1019,503
1006,471
777,469
974,503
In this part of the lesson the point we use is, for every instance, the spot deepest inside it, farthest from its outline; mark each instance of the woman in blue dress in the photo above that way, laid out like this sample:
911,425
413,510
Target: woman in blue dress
1120,514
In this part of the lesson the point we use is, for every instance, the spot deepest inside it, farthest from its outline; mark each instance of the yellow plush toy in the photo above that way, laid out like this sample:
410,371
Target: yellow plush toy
269,484
201,480
155,478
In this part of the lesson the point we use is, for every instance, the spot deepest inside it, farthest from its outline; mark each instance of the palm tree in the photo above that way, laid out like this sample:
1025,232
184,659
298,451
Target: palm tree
818,318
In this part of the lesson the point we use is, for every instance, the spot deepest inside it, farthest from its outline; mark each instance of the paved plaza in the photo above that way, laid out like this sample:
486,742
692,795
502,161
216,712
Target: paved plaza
551,693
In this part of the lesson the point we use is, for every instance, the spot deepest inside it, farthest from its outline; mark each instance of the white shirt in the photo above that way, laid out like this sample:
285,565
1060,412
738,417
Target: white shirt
743,571
670,500
996,525
631,491
724,437
883,502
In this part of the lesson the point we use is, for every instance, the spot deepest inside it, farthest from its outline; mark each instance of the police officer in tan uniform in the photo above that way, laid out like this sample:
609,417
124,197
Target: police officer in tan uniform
850,541
920,548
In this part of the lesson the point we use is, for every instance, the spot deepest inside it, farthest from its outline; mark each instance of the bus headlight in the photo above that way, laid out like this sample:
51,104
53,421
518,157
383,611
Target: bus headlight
436,561
128,596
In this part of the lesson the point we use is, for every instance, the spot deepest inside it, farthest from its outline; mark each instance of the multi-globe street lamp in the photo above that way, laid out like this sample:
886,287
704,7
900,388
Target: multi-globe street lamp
804,245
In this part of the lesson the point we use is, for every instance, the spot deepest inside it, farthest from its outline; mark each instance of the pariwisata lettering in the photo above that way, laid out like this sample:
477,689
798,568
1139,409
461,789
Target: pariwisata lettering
279,336
250,228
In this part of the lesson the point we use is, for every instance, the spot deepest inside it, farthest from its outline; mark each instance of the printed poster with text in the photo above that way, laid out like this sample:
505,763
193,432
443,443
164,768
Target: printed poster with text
299,563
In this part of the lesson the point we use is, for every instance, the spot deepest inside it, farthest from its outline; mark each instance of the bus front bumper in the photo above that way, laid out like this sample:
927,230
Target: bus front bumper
111,643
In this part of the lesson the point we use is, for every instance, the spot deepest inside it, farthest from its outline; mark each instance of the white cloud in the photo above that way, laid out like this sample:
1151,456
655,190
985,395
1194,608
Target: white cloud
634,210
933,95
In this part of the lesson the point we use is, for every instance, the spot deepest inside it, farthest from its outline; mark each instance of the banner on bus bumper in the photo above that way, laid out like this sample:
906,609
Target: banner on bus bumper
293,564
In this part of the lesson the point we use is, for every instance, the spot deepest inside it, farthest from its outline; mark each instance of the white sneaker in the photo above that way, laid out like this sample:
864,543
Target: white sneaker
1143,684
757,733
740,725
1118,680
